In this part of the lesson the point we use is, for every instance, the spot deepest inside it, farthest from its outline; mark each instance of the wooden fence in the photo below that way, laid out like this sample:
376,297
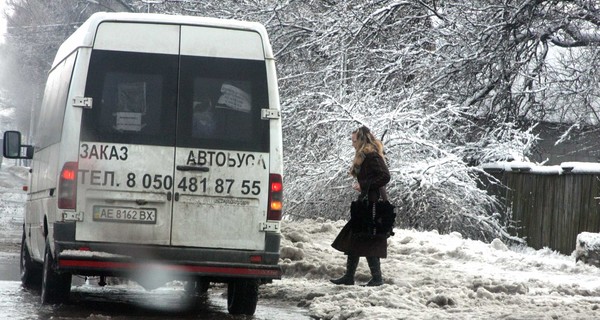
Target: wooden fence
550,210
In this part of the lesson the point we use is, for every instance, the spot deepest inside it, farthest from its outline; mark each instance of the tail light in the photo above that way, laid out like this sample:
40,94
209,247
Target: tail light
67,186
275,197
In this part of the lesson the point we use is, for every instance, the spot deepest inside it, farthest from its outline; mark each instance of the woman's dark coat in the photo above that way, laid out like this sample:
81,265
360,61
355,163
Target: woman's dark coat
372,176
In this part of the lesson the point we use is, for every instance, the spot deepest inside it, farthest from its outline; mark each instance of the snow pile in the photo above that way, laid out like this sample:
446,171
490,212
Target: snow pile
589,240
433,276
587,248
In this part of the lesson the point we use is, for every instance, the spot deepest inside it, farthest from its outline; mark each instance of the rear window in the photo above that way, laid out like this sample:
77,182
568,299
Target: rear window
220,104
134,98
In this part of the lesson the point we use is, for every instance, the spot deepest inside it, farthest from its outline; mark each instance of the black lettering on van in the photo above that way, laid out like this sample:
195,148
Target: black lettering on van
201,158
248,160
124,151
94,152
112,178
262,161
221,159
241,157
231,161
82,173
95,177
103,152
208,161
191,160
205,158
84,151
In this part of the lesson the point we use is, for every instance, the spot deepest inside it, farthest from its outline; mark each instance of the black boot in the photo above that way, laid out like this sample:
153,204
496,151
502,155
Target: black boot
375,266
348,278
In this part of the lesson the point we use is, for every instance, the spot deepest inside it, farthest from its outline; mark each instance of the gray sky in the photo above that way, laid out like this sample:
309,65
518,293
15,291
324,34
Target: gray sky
2,21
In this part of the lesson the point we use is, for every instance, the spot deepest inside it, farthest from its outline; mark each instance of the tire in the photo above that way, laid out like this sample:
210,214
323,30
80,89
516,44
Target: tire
196,287
202,286
242,297
55,286
31,272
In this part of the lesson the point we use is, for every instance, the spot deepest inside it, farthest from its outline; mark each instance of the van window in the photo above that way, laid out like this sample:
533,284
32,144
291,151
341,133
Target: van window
134,98
220,104
50,121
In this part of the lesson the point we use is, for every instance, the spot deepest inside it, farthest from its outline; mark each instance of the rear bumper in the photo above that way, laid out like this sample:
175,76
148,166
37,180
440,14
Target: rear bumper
119,259
93,265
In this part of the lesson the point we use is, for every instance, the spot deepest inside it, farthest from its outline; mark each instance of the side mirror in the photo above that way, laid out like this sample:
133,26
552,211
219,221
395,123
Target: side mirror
12,146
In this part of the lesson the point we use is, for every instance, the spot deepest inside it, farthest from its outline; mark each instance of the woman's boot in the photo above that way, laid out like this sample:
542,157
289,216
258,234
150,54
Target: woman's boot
348,278
375,266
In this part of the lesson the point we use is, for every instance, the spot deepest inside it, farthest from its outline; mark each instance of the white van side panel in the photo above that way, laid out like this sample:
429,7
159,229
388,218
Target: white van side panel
276,159
41,203
138,37
222,43
67,149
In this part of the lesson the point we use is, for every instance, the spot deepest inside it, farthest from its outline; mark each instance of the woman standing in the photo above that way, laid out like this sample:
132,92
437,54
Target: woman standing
371,172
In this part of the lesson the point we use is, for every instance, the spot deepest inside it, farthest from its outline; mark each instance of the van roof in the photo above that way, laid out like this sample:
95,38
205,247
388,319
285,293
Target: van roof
84,35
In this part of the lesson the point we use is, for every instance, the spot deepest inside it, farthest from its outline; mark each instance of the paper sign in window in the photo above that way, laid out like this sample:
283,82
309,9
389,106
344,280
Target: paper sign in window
129,121
234,98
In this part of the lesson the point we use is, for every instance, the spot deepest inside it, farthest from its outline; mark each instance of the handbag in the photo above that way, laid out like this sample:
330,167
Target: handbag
373,221
361,218
385,217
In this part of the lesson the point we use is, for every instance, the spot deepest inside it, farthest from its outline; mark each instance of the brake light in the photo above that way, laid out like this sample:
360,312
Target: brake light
274,211
67,186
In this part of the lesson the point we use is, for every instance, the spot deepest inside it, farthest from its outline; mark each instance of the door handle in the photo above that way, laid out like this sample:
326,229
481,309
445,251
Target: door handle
192,168
169,196
176,196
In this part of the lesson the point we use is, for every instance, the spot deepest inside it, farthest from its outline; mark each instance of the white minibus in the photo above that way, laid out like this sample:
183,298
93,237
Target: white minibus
157,156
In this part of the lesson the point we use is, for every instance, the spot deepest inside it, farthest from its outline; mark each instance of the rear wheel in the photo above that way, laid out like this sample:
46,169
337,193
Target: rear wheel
198,286
31,272
55,286
242,297
202,286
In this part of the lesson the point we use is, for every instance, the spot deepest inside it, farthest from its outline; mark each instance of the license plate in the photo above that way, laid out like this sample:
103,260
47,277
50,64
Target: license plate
121,214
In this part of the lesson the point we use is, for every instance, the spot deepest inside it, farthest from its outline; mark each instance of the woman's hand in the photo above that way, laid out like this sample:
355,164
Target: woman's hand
356,187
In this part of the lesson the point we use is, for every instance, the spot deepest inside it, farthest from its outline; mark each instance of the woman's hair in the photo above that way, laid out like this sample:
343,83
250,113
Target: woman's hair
366,143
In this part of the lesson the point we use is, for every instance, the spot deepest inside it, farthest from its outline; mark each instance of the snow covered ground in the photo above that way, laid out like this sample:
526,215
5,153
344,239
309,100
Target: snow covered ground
427,275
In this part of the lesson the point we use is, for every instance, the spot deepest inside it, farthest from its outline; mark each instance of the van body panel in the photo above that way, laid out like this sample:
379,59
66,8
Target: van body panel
223,205
122,191
222,43
138,37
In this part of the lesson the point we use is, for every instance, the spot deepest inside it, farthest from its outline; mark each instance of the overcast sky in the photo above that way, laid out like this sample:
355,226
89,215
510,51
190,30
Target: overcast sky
2,21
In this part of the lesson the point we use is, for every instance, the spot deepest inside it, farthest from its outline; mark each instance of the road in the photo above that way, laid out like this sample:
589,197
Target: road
125,301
